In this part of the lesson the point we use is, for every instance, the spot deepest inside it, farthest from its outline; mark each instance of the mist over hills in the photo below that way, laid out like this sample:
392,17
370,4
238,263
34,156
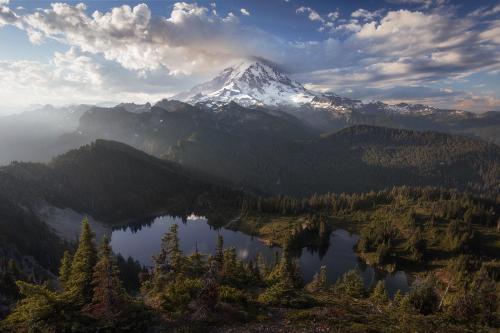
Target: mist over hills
34,135
110,181
253,126
278,154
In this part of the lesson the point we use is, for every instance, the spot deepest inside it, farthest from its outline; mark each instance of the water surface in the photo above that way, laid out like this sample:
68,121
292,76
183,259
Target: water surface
142,241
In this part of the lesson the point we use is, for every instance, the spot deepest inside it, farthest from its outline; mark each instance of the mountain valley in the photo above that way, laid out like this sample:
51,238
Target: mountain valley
253,151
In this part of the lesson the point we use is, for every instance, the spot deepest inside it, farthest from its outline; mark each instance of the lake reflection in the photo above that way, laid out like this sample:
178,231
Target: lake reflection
141,242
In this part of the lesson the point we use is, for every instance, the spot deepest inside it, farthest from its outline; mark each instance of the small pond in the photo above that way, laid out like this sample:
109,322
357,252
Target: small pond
143,240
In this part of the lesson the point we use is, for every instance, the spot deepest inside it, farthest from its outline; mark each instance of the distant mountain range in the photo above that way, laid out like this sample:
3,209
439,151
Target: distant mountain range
259,84
277,153
255,127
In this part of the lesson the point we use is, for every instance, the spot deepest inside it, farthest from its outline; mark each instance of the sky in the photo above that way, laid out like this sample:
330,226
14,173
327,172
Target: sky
442,53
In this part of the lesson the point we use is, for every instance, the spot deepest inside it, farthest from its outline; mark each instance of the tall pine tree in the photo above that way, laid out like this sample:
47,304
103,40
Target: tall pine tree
108,293
219,252
65,269
79,284
171,248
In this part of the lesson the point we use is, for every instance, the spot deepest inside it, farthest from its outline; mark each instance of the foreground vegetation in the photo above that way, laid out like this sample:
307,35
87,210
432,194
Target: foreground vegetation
198,291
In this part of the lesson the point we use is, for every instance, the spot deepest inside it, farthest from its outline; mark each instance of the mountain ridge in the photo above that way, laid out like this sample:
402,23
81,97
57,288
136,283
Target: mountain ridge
257,82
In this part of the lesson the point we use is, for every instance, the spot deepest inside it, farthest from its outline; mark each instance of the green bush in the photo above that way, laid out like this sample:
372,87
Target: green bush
180,293
350,284
232,295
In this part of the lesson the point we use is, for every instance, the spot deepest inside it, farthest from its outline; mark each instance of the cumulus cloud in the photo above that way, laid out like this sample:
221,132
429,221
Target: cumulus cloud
245,12
192,39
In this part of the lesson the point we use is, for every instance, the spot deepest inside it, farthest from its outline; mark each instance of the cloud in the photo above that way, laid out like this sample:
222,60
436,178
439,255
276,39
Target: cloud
348,27
7,16
366,15
312,14
401,44
422,3
80,77
332,16
397,94
445,98
492,33
327,21
165,54
192,39
478,103
485,11
405,47
245,12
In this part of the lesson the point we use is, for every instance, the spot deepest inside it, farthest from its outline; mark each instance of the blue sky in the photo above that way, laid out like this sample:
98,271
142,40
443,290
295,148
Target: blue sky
439,52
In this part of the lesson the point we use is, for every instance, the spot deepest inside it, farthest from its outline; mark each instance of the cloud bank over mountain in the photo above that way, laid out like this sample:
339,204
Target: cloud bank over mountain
134,54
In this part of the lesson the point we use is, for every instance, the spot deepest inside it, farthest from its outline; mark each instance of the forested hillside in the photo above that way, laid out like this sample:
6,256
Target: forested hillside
111,180
275,153
360,158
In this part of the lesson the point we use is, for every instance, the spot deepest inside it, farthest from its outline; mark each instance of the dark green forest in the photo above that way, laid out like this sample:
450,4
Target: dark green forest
447,239
194,292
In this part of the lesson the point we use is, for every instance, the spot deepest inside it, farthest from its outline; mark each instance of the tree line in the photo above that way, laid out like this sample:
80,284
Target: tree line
186,290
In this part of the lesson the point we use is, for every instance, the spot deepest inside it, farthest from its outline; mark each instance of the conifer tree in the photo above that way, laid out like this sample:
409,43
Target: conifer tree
108,294
485,296
379,293
396,300
219,251
350,284
196,263
209,294
416,245
319,281
171,247
286,270
260,261
65,269
79,284
40,310
231,267
254,271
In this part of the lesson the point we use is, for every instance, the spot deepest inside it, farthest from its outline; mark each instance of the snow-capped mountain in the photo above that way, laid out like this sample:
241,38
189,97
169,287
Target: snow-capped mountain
251,83
257,83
